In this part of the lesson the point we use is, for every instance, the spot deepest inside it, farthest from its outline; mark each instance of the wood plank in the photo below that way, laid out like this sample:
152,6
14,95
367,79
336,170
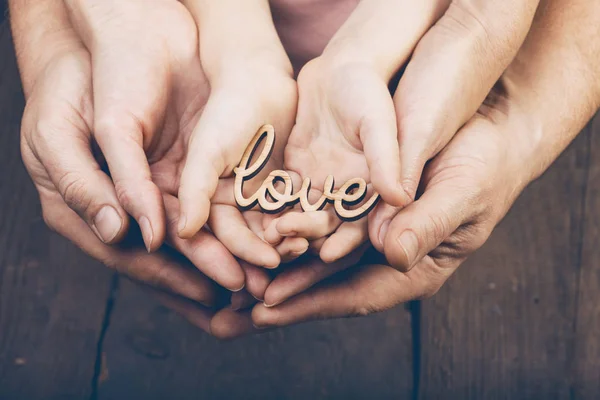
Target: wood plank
151,353
52,297
502,327
586,359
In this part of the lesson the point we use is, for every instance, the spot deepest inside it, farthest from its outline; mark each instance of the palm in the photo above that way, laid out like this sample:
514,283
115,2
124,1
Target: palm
325,140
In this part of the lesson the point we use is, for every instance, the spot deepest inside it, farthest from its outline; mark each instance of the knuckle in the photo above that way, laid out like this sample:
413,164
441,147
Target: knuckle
112,263
116,123
74,191
438,226
129,192
466,19
362,311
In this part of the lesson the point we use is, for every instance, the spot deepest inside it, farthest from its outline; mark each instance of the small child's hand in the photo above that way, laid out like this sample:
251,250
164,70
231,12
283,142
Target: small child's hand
345,127
252,84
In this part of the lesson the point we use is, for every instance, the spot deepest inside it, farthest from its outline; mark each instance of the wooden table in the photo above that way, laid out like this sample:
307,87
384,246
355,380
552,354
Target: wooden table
521,319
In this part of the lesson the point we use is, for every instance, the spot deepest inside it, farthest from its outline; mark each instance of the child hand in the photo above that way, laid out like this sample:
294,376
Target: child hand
251,83
345,127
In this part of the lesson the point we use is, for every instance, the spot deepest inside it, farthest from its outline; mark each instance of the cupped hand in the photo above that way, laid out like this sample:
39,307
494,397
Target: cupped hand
469,186
145,87
59,116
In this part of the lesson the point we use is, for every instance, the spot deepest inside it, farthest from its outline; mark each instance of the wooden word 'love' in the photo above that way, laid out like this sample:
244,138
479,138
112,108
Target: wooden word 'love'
350,194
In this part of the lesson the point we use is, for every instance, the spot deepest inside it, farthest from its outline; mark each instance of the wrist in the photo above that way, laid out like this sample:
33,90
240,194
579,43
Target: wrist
257,60
41,31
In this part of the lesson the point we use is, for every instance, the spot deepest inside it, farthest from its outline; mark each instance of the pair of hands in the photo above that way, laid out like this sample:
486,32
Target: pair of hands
466,189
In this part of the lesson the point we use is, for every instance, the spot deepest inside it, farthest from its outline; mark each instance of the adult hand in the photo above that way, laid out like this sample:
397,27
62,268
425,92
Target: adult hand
59,115
141,51
470,185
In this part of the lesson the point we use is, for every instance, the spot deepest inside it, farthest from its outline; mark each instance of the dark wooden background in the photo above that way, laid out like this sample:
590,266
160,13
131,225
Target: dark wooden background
520,320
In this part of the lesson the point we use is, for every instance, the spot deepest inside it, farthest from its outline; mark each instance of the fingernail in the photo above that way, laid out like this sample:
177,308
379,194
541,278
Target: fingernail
410,245
383,231
182,223
259,327
147,232
288,234
257,299
107,224
271,305
298,253
237,290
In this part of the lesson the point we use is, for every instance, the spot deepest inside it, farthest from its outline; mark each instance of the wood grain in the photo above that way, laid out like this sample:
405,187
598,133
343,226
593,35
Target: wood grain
502,328
585,372
52,297
151,353
520,320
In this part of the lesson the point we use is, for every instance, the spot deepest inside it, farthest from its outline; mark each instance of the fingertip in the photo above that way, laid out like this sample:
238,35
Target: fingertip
401,248
263,317
234,280
300,246
257,280
272,259
271,234
193,217
285,226
329,256
390,187
379,222
147,234
273,297
110,224
228,324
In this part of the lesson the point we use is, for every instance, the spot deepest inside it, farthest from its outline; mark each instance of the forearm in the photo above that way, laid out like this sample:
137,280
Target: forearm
41,29
556,78
371,34
234,33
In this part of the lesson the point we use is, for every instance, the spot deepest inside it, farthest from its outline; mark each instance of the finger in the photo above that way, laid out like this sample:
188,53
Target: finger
365,290
310,225
242,300
292,248
451,72
204,251
121,144
195,314
379,222
299,278
158,270
422,226
130,105
229,324
229,226
257,280
348,237
315,246
379,137
78,177
216,145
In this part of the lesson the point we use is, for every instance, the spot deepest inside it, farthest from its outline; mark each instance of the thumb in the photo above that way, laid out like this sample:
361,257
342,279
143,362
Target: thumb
76,175
216,144
379,136
130,106
422,226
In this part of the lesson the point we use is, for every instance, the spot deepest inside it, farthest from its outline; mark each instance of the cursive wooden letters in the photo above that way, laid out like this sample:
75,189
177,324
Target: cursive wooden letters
349,194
